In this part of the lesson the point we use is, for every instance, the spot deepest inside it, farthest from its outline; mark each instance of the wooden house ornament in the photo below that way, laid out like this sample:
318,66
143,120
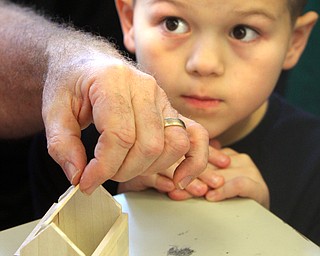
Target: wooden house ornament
80,225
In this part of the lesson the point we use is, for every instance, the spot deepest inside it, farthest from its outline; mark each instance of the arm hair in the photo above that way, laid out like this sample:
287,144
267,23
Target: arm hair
31,46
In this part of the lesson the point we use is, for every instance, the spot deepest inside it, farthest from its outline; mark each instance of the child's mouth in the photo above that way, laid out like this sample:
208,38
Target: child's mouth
201,101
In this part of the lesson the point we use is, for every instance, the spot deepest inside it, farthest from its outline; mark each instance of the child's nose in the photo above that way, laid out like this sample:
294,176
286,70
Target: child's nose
206,58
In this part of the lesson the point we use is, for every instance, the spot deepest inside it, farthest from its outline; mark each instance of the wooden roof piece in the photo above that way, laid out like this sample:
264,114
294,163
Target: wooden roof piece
80,225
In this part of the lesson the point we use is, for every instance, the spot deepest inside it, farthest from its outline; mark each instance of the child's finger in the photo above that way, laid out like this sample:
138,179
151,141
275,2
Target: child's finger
218,158
180,194
241,187
212,179
197,188
140,183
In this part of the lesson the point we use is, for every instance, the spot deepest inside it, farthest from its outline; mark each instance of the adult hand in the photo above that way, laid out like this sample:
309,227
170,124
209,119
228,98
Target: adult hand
86,80
163,180
207,180
128,109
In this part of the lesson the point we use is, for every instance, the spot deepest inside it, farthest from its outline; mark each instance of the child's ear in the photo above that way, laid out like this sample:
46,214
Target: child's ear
125,13
299,40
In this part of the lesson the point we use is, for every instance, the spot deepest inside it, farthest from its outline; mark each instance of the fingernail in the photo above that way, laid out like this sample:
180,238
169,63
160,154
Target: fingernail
89,190
216,180
76,178
169,186
71,171
211,196
185,182
224,161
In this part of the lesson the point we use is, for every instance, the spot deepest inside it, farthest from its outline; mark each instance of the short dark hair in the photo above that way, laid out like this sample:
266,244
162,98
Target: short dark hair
296,8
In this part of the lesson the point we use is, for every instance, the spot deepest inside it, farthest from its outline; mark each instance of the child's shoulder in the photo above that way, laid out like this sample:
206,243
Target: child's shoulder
285,115
290,126
284,126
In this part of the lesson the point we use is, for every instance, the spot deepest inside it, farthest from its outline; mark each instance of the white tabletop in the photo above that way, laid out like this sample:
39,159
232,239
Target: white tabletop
195,227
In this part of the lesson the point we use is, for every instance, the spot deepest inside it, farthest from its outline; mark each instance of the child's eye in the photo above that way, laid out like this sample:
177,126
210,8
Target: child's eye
244,33
175,25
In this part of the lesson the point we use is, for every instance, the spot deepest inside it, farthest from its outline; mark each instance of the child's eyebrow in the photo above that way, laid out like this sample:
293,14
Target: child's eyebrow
239,12
251,12
174,2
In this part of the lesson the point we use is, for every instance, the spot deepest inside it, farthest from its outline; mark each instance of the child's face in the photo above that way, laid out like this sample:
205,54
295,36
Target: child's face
217,60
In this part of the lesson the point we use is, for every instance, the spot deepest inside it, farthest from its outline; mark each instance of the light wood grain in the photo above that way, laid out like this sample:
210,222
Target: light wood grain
80,225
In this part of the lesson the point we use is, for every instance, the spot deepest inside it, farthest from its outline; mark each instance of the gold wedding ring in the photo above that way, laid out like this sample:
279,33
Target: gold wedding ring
169,121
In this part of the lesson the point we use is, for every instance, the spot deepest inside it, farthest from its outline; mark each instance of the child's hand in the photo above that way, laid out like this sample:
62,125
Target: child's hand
228,174
163,182
198,187
241,178
207,179
140,183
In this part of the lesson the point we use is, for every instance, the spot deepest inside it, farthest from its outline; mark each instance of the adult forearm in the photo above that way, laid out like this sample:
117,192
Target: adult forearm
22,67
35,52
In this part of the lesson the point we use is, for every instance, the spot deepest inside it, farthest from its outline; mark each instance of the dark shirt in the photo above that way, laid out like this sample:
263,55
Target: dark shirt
286,149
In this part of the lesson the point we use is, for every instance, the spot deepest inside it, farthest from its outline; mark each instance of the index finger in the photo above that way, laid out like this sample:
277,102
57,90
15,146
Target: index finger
114,119
196,159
